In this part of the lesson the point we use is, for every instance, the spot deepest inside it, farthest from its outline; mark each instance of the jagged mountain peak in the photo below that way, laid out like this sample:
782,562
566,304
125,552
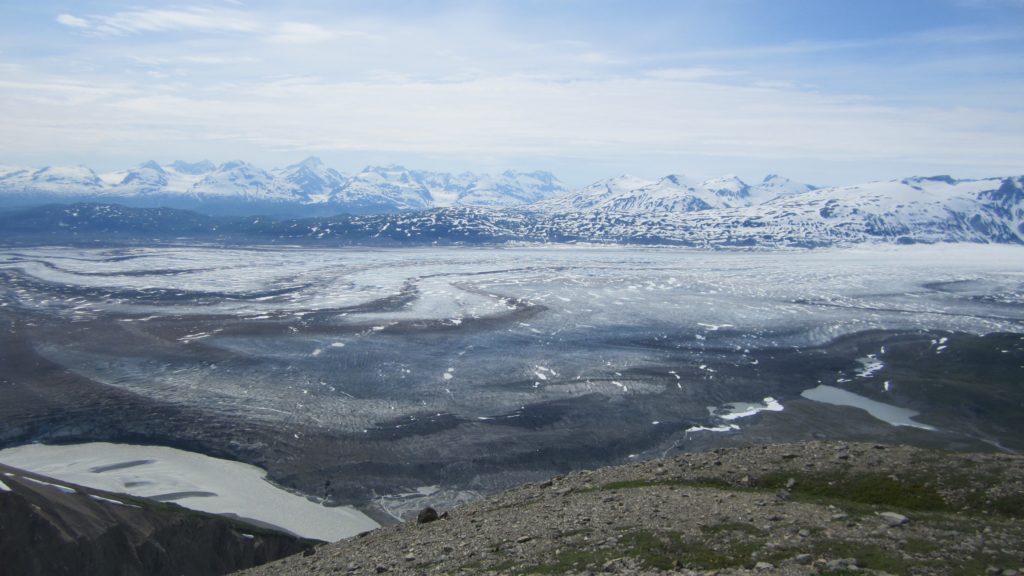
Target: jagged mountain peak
942,178
385,168
681,180
67,177
729,186
726,178
312,162
148,177
151,165
71,170
234,165
193,168
776,186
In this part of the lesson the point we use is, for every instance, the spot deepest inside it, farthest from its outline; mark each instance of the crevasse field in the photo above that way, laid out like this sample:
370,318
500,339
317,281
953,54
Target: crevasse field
386,378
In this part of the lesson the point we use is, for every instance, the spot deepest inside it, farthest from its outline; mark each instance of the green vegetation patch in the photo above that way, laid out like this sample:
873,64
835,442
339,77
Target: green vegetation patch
868,555
868,488
920,546
733,527
632,484
662,550
668,550
644,483
567,561
1012,505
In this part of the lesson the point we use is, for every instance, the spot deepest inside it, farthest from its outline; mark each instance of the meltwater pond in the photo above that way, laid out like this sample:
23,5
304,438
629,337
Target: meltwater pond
359,374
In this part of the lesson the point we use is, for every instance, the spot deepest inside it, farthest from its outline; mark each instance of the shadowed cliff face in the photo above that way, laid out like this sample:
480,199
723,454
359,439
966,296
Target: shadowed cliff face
52,527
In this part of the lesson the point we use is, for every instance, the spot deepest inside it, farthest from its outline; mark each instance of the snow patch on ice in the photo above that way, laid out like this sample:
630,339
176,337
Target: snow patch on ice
737,410
236,488
869,366
722,428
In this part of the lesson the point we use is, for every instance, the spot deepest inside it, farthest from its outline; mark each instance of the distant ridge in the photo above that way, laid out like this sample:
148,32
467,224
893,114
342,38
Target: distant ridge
907,211
391,204
308,188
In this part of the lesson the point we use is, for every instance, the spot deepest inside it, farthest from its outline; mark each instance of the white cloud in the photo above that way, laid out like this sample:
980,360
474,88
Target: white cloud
198,19
202,59
72,21
464,84
696,73
510,116
156,20
301,33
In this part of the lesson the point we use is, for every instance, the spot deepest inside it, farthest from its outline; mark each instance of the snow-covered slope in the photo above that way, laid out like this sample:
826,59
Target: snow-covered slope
511,188
937,209
55,180
312,181
385,188
673,193
774,186
593,195
241,180
913,210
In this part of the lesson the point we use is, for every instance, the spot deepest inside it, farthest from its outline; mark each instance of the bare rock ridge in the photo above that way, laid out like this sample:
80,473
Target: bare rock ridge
52,527
808,508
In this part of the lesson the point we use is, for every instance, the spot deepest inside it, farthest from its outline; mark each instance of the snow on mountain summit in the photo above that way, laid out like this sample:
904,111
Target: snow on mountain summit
311,180
239,179
60,181
672,193
774,186
193,168
724,211
511,188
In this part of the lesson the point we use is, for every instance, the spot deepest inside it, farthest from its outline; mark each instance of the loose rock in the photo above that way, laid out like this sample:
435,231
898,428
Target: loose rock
428,514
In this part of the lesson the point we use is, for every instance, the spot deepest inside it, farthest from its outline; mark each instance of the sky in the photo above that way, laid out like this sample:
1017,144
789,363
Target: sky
822,91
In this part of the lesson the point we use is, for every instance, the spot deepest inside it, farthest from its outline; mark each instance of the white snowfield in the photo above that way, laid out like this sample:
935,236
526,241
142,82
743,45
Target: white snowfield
191,480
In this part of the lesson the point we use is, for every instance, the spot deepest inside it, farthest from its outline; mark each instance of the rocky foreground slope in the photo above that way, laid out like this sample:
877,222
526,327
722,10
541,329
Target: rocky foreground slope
810,508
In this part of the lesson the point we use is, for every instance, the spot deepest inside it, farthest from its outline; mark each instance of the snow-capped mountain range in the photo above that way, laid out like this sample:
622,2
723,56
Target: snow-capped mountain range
910,210
673,193
303,189
392,204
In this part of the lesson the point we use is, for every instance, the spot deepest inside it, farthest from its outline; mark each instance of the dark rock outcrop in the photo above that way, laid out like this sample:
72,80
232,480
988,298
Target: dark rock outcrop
51,527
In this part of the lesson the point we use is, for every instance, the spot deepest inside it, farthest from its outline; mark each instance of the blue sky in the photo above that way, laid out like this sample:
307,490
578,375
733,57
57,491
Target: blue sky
824,91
